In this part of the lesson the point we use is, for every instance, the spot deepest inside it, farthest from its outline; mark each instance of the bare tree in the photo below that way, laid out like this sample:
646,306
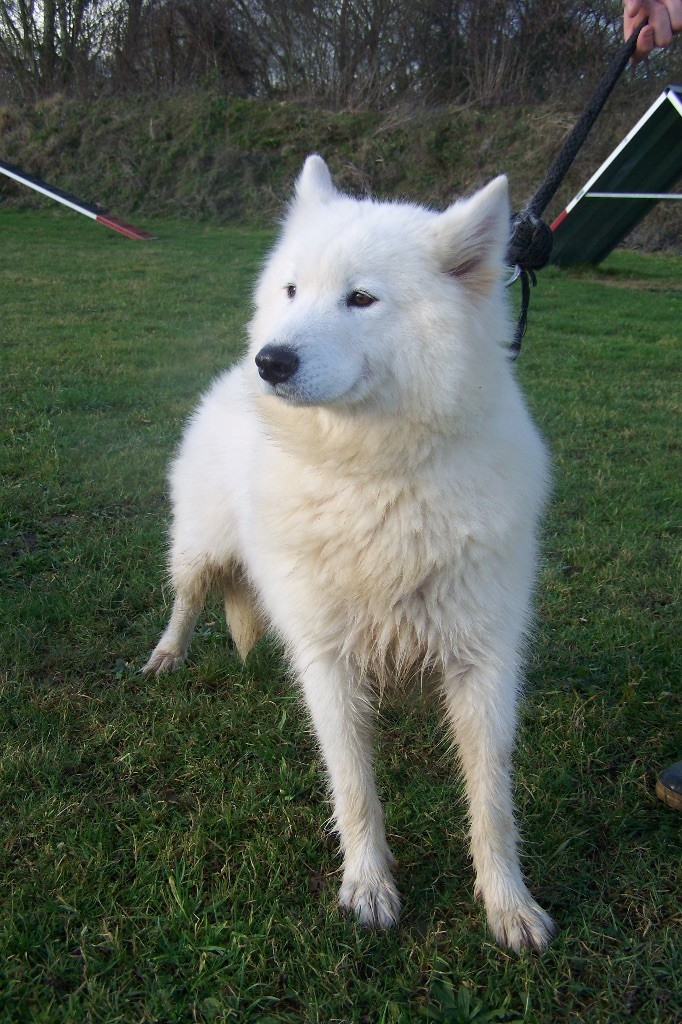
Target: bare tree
328,52
52,45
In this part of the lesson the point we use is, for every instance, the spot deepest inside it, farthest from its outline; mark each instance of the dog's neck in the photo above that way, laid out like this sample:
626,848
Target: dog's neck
352,441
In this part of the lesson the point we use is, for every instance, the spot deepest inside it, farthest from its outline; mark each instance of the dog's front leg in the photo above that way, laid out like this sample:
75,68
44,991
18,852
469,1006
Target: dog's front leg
191,577
171,650
481,706
342,714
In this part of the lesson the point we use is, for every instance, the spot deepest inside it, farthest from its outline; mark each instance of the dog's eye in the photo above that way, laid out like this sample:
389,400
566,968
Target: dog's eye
290,290
360,299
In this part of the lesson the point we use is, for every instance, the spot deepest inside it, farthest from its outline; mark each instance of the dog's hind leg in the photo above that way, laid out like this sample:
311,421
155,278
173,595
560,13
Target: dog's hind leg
480,702
342,714
192,578
243,617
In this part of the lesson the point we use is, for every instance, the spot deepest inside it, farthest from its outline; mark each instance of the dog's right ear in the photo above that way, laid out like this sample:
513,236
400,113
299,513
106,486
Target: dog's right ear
472,235
314,183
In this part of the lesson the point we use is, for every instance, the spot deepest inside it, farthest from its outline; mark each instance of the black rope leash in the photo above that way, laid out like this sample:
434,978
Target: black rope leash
530,246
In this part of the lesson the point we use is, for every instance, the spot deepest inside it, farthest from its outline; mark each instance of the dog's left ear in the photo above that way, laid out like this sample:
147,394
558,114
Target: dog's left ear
314,184
472,236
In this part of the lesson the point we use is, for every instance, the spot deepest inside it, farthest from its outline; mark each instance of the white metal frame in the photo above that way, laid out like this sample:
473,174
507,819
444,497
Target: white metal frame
668,95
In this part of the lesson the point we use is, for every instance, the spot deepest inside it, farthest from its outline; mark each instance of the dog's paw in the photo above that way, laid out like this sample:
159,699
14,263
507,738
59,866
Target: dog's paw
525,926
163,661
374,901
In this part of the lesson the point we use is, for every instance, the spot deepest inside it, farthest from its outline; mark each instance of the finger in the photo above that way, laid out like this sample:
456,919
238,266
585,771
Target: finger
631,23
674,8
645,43
645,39
659,21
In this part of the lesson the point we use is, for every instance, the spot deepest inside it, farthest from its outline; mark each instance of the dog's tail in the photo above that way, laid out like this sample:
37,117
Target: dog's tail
244,619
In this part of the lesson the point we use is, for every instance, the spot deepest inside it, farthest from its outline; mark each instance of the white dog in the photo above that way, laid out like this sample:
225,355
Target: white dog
367,482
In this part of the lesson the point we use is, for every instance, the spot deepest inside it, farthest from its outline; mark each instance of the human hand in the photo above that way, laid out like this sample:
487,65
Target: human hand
664,18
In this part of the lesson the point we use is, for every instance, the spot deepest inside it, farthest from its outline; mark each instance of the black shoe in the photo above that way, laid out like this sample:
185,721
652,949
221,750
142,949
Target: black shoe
669,786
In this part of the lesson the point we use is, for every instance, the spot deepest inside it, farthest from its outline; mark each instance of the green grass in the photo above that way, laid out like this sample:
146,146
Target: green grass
163,847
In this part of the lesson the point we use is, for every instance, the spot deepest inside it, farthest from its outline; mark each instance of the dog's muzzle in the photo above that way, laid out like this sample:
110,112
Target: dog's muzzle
277,363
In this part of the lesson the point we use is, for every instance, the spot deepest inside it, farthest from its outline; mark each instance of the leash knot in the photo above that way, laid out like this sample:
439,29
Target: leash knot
530,248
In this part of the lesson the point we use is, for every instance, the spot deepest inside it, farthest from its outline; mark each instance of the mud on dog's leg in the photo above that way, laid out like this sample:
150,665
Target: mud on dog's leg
481,707
191,581
342,714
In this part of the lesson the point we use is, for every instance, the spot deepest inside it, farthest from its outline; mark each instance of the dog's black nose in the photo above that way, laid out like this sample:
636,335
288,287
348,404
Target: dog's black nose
277,363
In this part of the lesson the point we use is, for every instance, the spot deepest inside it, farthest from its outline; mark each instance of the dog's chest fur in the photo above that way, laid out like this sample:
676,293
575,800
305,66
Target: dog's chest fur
382,562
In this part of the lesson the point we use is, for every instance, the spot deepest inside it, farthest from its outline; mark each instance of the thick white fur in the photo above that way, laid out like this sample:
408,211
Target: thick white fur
379,509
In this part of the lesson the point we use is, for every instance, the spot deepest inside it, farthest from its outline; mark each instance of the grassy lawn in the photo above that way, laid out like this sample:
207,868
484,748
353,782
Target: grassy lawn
163,848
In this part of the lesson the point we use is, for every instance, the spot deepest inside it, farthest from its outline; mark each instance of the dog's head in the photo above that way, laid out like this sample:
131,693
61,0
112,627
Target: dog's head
386,305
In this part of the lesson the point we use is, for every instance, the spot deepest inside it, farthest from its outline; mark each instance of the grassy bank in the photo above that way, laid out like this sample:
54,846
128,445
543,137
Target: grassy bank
163,855
219,159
